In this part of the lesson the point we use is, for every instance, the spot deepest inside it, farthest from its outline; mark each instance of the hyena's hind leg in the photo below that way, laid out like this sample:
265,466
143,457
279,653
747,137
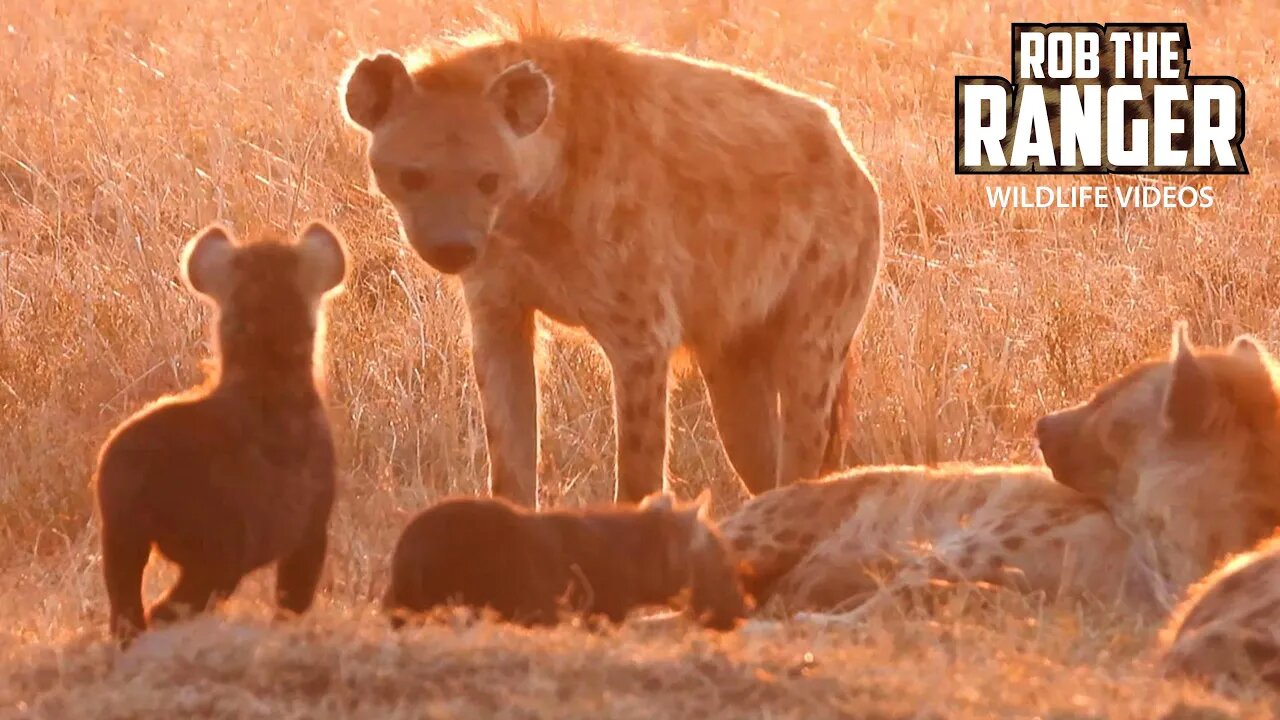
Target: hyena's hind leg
744,401
197,590
815,339
908,577
809,385
124,558
837,574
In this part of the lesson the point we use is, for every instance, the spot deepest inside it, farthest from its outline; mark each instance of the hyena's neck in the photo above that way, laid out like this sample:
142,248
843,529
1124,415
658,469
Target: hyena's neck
1168,560
1146,582
272,379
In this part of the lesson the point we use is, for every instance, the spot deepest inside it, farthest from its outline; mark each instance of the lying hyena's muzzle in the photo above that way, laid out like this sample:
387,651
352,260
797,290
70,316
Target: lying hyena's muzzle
1057,433
450,251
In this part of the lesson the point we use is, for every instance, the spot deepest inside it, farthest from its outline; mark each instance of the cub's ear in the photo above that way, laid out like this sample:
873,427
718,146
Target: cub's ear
701,505
522,94
1187,401
659,501
370,87
323,266
207,262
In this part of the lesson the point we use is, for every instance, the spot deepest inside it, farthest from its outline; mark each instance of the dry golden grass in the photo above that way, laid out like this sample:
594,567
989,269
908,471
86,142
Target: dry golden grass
126,125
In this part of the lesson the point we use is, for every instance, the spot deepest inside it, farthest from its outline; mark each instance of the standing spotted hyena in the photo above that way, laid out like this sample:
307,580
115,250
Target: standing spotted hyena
1164,472
239,472
655,201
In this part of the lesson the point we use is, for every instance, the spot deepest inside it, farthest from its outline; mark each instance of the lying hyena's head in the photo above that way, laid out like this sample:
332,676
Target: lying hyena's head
268,294
1185,450
443,146
693,556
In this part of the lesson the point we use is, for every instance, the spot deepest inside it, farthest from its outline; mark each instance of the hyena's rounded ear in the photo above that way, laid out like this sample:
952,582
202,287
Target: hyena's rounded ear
371,85
522,94
701,505
661,501
207,262
324,259
1248,347
1190,389
1181,340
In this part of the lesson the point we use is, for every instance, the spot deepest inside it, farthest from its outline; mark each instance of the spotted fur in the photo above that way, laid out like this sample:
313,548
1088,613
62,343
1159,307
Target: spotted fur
1164,472
659,203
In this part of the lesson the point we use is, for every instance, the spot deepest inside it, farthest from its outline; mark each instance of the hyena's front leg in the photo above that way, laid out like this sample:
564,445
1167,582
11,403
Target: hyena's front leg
502,347
298,574
640,416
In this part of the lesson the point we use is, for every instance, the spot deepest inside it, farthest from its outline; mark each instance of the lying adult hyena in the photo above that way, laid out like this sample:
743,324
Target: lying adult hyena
239,472
655,201
1163,473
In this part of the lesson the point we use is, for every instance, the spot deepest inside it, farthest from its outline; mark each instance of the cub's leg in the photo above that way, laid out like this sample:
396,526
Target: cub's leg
502,353
124,557
298,574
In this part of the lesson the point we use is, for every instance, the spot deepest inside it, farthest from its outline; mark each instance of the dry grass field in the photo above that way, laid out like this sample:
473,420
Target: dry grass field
126,125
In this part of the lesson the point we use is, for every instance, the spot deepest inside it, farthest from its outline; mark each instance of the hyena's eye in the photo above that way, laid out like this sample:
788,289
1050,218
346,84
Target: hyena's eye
488,183
413,180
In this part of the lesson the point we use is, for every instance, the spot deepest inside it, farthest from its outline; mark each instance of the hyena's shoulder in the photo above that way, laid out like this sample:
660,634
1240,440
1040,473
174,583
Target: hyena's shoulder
1226,629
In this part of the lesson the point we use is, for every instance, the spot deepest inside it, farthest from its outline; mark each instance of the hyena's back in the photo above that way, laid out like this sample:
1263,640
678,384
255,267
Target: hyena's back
480,553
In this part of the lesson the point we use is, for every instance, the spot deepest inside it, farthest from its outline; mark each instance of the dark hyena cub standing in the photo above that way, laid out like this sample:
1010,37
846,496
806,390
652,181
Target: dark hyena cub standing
654,200
237,473
531,567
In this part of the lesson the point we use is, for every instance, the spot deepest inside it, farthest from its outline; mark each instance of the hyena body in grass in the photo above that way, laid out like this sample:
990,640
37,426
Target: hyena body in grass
1227,632
239,472
535,567
1163,473
655,201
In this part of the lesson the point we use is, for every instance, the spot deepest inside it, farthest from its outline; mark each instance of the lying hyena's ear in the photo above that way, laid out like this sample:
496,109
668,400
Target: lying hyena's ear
1190,392
324,259
1248,347
371,86
690,516
207,261
522,94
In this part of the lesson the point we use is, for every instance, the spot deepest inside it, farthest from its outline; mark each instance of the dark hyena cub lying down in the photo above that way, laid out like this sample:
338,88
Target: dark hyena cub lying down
239,472
531,567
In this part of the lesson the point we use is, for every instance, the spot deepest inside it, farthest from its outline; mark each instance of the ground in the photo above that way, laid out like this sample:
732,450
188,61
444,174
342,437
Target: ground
129,125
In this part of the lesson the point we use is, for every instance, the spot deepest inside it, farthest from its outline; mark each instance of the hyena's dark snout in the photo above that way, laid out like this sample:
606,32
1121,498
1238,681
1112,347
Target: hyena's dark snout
450,251
1057,434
